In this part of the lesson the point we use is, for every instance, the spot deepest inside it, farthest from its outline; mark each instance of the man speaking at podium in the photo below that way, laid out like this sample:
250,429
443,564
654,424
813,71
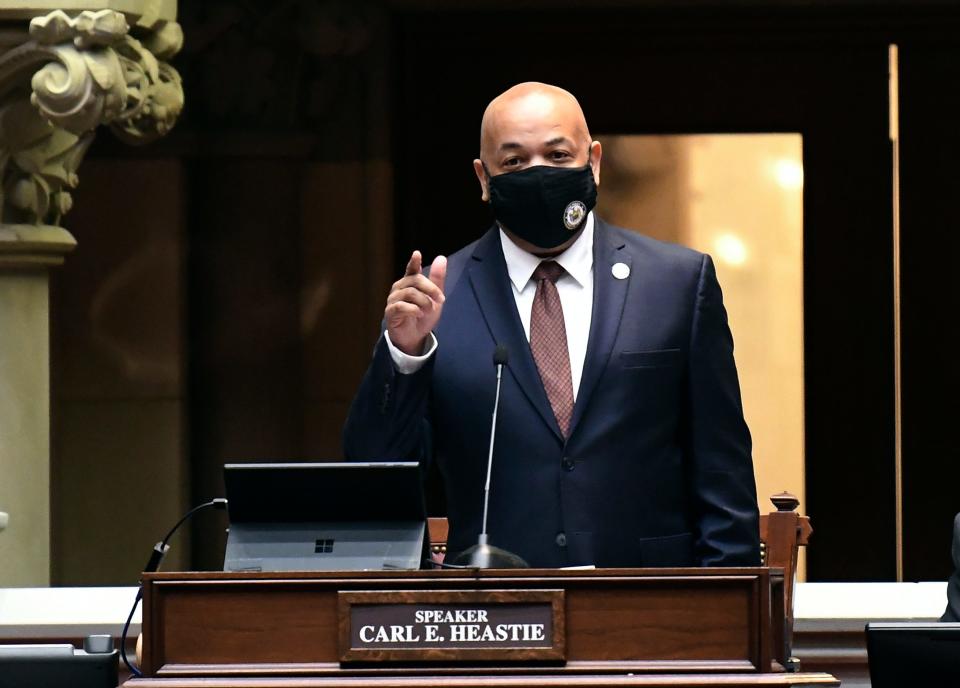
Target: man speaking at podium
621,439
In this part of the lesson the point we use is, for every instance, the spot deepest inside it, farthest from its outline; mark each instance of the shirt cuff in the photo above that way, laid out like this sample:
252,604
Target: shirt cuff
405,363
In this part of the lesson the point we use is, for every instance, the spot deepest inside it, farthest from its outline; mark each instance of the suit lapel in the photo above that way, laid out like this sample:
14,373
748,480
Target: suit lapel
491,286
609,295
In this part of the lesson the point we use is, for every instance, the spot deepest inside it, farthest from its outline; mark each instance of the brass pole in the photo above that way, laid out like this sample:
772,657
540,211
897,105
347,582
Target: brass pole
894,70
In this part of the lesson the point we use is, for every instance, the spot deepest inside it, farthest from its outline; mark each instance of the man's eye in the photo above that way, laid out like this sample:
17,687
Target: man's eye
559,155
511,162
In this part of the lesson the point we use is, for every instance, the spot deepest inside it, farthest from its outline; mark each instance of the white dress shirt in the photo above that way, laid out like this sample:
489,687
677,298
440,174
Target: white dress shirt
575,288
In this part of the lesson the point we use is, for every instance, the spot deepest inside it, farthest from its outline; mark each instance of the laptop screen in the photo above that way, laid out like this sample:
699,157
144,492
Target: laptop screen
311,492
325,516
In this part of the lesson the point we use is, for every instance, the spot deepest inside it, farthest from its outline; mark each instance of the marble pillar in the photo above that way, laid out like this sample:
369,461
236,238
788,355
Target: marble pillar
26,254
66,68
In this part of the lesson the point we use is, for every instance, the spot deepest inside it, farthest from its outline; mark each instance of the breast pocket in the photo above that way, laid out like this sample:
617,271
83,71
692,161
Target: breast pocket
659,358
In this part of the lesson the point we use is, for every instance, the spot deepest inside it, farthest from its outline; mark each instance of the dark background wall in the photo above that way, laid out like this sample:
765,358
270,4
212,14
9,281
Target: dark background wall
322,141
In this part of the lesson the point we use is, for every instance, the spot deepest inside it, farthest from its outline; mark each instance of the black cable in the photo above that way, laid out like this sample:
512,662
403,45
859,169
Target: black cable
443,565
123,635
219,503
153,564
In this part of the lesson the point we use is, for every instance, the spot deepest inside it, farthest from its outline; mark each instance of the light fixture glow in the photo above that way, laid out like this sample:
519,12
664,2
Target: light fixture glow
730,249
788,173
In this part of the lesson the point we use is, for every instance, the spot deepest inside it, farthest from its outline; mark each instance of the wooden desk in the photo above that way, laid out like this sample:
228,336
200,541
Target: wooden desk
645,627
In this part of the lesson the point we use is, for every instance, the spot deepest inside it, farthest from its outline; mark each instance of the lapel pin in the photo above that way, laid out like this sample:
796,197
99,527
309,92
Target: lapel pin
620,270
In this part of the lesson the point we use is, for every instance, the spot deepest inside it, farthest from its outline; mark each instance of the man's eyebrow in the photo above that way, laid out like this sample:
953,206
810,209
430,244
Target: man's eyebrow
555,141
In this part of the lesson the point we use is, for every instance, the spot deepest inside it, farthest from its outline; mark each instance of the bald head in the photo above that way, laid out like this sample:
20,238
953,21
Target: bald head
531,106
534,124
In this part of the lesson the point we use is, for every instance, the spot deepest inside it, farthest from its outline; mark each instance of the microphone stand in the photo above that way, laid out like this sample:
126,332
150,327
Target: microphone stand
483,555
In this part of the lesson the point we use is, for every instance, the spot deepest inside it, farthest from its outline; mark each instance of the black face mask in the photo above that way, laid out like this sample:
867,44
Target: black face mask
543,205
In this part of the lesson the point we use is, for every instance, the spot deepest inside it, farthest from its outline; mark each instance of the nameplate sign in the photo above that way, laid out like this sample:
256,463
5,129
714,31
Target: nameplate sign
452,626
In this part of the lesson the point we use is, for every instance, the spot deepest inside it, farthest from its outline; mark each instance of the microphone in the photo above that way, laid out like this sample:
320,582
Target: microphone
483,555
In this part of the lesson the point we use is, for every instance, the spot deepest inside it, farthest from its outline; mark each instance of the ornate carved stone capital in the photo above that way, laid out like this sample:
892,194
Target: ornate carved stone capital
72,72
33,245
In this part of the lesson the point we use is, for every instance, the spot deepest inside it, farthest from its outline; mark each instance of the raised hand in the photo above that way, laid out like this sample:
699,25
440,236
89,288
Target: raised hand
414,304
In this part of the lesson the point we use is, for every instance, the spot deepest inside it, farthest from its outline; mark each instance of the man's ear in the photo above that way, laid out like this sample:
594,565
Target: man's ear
482,176
596,153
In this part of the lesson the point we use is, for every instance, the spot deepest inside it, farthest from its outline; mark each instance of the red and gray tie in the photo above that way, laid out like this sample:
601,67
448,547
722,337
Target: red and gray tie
548,342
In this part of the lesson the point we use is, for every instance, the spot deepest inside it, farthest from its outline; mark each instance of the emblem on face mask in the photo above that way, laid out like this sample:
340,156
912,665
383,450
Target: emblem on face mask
573,215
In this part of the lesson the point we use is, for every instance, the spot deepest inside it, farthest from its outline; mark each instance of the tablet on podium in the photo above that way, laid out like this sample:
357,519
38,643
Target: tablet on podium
325,516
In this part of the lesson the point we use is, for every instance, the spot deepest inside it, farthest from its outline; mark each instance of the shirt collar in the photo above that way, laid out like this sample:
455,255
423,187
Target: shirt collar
577,260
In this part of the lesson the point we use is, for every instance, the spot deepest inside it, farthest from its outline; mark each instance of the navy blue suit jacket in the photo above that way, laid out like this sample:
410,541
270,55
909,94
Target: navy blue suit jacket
657,468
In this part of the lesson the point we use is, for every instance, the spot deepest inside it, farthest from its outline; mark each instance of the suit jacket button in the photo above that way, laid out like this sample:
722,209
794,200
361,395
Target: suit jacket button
567,464
561,540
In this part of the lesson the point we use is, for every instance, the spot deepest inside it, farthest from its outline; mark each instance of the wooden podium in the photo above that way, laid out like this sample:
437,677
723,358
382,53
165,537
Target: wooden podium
609,627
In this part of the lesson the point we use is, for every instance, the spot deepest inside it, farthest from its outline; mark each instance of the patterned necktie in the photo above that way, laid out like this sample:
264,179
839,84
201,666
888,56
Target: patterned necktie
548,342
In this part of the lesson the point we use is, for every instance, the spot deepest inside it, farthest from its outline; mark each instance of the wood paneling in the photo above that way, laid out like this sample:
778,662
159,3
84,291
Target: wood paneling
118,391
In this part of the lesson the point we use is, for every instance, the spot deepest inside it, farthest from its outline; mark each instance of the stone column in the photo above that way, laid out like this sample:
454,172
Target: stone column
26,253
65,69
